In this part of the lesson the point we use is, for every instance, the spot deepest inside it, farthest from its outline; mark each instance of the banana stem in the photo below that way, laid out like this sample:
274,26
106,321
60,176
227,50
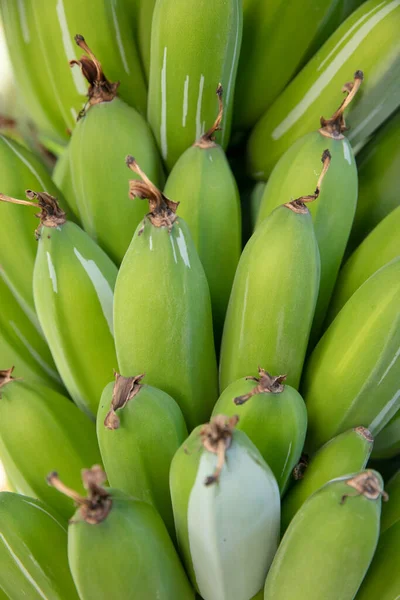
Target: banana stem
216,437
207,139
6,377
125,388
299,205
336,125
266,384
54,480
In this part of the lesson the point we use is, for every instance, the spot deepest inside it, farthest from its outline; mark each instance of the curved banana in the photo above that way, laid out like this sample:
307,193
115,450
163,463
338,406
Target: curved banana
387,443
144,18
226,510
352,375
255,201
62,177
183,77
274,417
162,309
369,40
118,546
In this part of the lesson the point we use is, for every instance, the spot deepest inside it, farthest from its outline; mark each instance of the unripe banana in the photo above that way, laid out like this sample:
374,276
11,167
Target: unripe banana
367,39
33,551
391,510
379,180
226,510
107,131
144,17
139,429
274,417
118,546
40,428
62,177
203,184
183,78
387,443
162,309
352,375
255,201
348,452
330,543
380,247
273,297
40,41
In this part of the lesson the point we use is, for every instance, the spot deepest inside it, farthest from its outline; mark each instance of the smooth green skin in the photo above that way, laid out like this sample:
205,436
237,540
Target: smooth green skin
100,178
56,437
391,509
41,42
20,170
21,344
383,577
127,555
348,452
352,376
277,37
255,201
332,212
275,423
367,40
183,474
379,180
143,34
163,321
387,443
33,551
194,43
73,284
327,548
380,247
203,183
137,456
63,179
273,299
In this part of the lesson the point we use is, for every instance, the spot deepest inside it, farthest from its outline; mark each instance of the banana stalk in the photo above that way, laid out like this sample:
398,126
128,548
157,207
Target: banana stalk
183,76
387,443
329,545
352,376
162,310
139,429
53,432
348,452
118,546
226,509
274,417
367,39
33,551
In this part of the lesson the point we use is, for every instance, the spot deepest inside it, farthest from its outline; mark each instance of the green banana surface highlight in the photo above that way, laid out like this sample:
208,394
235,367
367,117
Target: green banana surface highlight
348,452
139,429
367,39
40,428
352,375
195,45
330,543
387,443
391,509
380,247
33,551
274,417
226,509
274,294
20,170
379,180
162,309
203,184
40,41
118,546
107,131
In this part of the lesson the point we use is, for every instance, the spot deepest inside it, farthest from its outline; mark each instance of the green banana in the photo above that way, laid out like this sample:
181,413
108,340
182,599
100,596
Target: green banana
144,18
379,179
226,510
274,294
183,78
330,543
255,201
203,184
391,510
367,39
333,213
107,131
348,452
274,417
40,42
39,428
62,177
33,551
139,429
352,375
162,309
19,170
387,443
118,546
380,247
